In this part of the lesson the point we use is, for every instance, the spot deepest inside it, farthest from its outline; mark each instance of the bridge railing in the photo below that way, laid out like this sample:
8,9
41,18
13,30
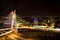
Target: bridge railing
5,29
2,32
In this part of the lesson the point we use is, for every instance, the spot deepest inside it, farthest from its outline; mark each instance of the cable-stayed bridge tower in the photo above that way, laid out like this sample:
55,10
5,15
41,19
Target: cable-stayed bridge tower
10,24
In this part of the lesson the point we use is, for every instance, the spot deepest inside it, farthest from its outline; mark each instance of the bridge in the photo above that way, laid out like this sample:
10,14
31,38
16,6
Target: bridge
11,32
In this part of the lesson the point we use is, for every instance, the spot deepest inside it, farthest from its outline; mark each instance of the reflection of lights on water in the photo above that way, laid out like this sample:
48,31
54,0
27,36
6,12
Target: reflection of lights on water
55,29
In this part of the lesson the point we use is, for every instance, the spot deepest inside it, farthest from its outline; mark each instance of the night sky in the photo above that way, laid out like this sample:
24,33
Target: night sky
30,7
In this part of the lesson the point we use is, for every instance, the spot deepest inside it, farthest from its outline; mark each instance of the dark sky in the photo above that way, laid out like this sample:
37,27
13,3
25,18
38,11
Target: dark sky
30,7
